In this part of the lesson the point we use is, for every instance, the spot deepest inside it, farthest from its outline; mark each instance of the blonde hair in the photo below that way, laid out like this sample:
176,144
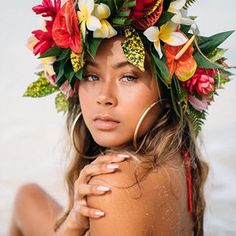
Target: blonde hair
174,133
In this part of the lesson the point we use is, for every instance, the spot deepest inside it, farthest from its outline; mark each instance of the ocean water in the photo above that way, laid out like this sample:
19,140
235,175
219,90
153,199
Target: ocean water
33,139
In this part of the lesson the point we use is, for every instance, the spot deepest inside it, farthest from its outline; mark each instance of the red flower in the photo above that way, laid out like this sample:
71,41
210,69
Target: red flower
45,40
146,13
65,31
202,82
184,66
141,9
47,8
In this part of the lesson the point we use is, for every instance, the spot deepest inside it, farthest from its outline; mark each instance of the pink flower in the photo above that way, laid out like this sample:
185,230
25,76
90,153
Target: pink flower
47,8
201,82
45,40
66,89
198,104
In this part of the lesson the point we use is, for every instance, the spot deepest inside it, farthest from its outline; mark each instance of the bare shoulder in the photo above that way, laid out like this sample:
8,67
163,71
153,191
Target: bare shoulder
137,205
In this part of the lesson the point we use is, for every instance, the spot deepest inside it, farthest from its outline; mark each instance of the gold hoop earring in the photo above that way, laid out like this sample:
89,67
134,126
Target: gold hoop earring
73,130
140,121
73,138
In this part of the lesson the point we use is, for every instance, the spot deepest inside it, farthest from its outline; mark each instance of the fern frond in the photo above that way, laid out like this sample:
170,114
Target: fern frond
189,3
197,119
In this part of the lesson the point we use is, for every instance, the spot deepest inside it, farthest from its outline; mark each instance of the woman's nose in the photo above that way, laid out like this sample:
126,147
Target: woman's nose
107,96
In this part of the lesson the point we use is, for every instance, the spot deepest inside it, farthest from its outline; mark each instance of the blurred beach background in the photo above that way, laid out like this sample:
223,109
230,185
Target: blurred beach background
32,134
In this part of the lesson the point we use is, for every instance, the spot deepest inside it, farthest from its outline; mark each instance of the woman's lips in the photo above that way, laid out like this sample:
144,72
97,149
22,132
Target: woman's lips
105,122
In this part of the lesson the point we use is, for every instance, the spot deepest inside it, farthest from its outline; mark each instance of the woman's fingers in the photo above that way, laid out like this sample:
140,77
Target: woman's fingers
94,169
108,163
90,189
88,212
111,157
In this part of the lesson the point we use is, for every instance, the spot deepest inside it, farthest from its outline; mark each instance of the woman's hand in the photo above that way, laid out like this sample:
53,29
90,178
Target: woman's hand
80,213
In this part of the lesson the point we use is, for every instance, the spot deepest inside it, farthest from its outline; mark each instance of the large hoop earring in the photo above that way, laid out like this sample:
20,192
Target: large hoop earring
73,130
73,137
140,121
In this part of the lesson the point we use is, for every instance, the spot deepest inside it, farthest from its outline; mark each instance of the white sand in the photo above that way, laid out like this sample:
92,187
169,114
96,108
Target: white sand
32,134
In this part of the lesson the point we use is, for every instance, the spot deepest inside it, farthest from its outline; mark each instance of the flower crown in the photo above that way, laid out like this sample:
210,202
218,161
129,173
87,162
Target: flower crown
191,66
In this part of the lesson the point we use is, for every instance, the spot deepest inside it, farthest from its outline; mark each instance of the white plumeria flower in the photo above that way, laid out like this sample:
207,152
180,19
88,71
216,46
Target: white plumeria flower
102,12
166,34
86,19
180,16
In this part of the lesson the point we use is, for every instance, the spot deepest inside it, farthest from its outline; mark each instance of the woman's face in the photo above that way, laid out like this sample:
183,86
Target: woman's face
114,94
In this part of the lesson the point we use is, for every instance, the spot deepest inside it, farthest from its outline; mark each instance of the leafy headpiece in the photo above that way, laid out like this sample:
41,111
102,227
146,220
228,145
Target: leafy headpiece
191,66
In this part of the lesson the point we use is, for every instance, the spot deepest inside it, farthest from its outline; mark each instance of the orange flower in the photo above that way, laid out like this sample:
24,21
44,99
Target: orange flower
65,31
180,60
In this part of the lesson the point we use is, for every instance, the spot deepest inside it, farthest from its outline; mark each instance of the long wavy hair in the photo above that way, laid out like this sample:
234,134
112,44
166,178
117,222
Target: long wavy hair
174,133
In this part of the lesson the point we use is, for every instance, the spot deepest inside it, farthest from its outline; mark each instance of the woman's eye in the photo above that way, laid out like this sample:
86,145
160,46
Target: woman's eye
90,77
129,78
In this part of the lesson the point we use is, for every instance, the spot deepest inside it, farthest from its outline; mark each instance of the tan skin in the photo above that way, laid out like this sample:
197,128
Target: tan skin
113,95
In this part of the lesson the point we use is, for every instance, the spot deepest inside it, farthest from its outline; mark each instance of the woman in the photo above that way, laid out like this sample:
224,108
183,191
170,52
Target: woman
132,114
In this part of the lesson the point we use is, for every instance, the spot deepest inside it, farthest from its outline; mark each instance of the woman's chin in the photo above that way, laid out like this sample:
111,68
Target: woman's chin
110,142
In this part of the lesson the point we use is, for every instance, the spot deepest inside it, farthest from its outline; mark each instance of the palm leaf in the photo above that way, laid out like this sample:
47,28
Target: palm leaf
189,3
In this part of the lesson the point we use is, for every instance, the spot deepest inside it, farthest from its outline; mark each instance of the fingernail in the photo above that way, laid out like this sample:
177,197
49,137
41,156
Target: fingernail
99,213
112,166
123,155
103,188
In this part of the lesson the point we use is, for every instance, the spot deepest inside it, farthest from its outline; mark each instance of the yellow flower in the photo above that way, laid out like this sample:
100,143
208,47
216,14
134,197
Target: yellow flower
47,66
102,12
167,34
86,19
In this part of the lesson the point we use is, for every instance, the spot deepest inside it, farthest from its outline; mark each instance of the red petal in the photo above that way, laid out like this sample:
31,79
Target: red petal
65,30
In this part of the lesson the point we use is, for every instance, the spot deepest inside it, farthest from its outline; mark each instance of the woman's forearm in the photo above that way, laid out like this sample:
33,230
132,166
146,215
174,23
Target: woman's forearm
70,228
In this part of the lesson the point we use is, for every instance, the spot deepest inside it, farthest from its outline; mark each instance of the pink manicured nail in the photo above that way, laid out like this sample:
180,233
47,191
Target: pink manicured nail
123,155
112,166
103,188
99,213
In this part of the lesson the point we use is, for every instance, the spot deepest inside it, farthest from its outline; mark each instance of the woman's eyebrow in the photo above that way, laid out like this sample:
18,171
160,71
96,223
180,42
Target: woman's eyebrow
91,63
121,64
115,66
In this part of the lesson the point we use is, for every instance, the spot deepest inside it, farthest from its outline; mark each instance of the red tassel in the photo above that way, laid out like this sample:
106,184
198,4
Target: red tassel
187,160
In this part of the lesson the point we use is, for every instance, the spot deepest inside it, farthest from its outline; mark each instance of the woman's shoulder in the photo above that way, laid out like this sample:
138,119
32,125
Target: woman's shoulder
135,180
135,198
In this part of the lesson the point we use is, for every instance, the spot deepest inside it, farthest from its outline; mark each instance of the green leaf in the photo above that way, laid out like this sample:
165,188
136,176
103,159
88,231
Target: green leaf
216,54
69,73
202,62
124,13
52,52
93,45
120,21
129,3
79,74
174,102
165,17
64,54
182,95
61,103
162,68
208,44
61,70
40,88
